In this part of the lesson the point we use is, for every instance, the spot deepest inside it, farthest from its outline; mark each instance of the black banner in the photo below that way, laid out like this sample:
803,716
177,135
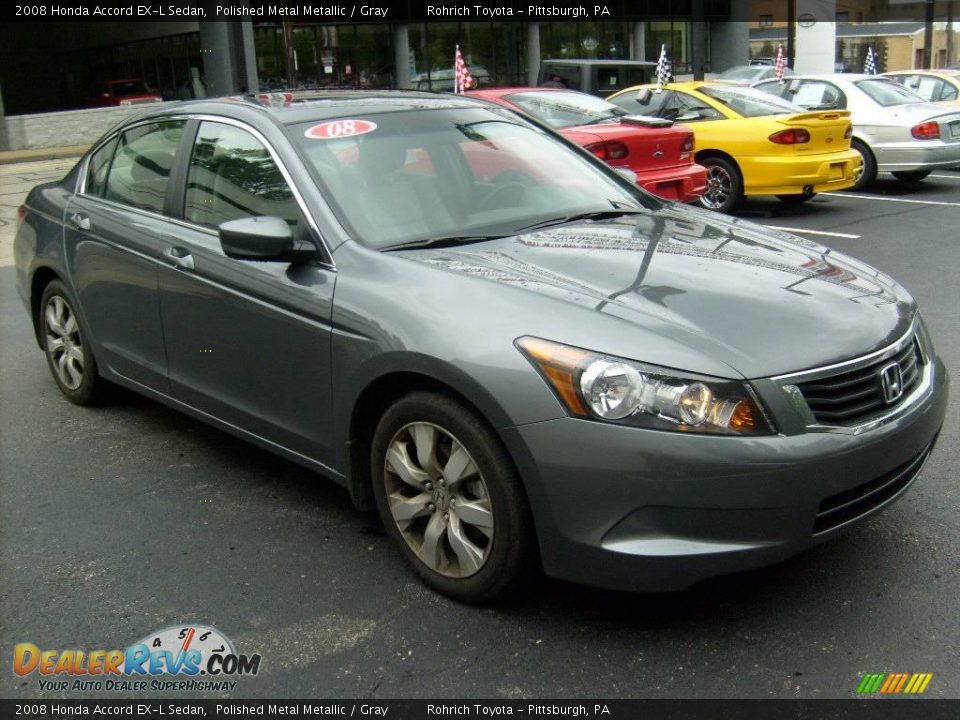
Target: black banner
873,709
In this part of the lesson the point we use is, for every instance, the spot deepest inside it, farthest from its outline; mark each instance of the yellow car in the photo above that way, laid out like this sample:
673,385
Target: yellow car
753,143
938,86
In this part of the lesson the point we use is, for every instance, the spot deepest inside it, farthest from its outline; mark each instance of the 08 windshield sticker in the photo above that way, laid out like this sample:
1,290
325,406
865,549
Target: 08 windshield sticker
336,129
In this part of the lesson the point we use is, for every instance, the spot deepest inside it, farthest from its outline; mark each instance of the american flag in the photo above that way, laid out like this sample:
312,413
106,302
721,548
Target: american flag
780,63
663,69
870,66
462,80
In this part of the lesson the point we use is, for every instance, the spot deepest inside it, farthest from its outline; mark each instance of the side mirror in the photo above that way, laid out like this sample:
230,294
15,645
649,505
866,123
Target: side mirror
267,239
644,95
627,174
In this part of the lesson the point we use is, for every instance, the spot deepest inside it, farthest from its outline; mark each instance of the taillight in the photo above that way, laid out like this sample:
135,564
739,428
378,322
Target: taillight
21,215
609,150
926,131
849,132
793,136
687,146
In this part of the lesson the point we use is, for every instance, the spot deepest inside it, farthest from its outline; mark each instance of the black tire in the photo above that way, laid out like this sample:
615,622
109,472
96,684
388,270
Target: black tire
795,199
868,172
72,336
724,184
911,176
509,554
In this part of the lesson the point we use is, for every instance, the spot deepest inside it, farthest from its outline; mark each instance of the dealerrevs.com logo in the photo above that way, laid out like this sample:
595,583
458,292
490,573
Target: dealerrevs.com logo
894,683
178,658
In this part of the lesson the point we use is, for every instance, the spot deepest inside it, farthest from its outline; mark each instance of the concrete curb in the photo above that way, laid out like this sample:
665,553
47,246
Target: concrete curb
9,157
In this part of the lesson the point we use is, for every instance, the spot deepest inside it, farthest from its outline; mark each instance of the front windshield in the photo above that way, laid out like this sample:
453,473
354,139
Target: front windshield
562,109
887,93
421,175
748,102
743,73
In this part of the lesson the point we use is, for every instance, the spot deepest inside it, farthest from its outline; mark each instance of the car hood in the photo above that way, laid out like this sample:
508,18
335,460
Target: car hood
762,302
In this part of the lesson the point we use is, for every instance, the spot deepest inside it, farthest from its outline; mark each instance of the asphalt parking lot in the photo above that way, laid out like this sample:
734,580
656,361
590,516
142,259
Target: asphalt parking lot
124,519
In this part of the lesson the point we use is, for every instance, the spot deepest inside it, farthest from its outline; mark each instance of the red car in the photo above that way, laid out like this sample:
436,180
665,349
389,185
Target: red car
133,91
660,154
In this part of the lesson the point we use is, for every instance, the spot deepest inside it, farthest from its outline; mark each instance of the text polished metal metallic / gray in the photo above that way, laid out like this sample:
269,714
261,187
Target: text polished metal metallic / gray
511,352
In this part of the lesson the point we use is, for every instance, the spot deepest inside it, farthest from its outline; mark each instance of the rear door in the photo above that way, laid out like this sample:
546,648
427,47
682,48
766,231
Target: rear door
247,342
113,232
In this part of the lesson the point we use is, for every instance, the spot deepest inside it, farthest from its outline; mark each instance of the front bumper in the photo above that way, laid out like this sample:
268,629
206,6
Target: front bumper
643,510
917,155
789,175
684,183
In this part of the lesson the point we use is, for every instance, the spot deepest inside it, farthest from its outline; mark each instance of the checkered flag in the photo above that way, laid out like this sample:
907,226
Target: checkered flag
870,65
780,63
663,69
462,79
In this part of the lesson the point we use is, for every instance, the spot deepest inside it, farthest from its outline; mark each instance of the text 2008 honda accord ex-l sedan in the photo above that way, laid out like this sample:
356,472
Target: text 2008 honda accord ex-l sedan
512,352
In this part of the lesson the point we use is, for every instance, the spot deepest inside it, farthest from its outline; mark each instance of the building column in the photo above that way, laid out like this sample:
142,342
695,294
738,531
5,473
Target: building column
730,40
401,57
817,43
638,49
249,77
217,60
533,53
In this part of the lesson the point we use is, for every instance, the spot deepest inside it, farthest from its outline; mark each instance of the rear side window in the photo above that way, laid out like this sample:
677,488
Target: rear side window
232,176
97,168
141,168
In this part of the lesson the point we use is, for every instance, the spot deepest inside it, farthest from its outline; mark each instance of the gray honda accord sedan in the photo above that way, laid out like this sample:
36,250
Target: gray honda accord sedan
515,355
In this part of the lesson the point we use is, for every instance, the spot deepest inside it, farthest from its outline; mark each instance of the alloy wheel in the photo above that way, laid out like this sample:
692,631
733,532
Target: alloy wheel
64,342
719,187
439,500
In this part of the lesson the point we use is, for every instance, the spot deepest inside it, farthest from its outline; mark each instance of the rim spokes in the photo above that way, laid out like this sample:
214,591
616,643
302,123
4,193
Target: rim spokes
438,499
64,342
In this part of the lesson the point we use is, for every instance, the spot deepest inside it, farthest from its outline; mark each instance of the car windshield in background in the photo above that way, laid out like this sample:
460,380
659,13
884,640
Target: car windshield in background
887,93
754,72
128,87
748,102
459,174
561,109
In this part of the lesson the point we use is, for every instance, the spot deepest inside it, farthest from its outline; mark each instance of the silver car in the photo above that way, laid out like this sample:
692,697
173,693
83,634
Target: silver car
515,355
894,129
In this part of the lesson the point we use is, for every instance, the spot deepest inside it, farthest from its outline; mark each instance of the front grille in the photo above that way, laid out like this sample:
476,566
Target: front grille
855,396
843,507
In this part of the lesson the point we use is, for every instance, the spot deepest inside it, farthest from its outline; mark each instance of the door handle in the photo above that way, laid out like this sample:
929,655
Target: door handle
180,257
80,220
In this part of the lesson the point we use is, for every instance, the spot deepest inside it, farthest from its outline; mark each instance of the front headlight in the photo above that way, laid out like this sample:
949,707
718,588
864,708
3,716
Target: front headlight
601,387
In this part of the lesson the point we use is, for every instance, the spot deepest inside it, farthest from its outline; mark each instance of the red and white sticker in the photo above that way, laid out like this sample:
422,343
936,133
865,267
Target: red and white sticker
340,129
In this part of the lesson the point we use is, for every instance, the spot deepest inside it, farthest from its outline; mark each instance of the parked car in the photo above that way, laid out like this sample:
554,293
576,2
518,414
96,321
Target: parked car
658,152
749,74
442,79
596,77
572,372
133,91
894,130
752,144
937,86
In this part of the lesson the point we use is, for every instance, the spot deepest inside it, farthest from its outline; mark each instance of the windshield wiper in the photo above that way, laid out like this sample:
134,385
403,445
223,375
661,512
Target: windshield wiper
592,215
448,241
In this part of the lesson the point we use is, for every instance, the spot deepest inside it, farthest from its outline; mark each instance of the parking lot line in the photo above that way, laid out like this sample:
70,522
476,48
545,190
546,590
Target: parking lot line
946,177
889,199
803,231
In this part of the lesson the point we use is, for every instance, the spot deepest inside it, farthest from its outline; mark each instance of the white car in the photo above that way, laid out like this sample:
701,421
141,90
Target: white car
894,129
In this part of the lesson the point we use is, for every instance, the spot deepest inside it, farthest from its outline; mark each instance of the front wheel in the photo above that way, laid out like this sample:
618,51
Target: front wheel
911,176
450,498
724,185
69,354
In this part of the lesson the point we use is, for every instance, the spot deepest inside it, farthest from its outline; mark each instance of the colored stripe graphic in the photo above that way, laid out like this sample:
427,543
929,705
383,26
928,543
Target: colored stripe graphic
894,683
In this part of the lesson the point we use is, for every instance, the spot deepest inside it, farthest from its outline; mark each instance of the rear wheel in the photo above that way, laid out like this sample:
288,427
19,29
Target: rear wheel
68,353
724,184
868,168
911,176
448,495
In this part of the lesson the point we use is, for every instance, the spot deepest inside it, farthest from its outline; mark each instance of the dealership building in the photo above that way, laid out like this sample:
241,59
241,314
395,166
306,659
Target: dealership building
50,67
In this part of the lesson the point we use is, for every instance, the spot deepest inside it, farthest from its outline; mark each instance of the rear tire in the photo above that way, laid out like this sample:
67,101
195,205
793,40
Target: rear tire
67,346
724,184
911,176
868,171
450,498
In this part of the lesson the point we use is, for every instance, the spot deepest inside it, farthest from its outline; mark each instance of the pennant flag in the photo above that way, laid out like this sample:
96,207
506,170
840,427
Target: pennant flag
780,63
462,80
870,66
663,69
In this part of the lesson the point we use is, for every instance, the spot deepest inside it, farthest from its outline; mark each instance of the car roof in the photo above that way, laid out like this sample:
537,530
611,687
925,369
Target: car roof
289,108
940,72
